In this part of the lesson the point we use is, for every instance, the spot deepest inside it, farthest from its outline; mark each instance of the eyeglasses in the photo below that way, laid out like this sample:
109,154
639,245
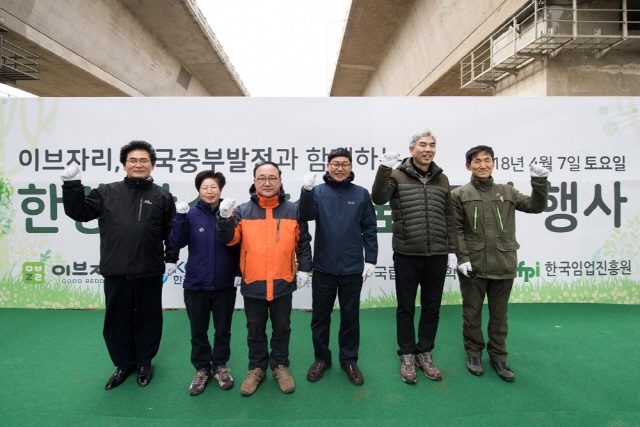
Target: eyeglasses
135,161
336,165
271,179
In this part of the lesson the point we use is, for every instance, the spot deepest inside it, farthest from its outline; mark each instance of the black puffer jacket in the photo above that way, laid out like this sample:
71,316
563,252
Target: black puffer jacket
135,217
422,212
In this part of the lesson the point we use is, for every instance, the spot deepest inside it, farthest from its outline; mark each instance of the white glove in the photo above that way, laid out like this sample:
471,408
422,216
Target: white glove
465,268
390,159
309,181
169,268
226,207
182,207
452,261
538,171
72,173
302,279
368,271
237,281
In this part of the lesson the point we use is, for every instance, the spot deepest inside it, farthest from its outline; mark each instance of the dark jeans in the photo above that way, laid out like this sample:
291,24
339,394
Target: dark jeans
257,312
324,289
429,272
132,320
201,305
473,292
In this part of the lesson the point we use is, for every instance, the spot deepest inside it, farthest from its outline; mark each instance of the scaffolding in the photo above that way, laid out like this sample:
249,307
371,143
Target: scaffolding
16,63
541,30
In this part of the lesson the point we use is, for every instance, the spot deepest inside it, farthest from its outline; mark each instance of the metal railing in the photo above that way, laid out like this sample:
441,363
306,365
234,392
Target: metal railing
541,31
16,63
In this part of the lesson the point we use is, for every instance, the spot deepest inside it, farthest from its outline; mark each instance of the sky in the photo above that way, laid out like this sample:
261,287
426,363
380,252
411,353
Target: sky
278,47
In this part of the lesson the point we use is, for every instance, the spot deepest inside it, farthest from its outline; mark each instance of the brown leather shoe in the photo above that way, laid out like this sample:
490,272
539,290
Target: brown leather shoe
353,374
316,371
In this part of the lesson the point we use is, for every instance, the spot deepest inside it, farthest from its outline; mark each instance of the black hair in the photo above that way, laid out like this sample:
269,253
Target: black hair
137,145
217,176
476,150
339,152
255,168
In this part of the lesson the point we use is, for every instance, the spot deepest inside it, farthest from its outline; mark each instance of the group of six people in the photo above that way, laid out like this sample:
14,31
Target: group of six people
263,247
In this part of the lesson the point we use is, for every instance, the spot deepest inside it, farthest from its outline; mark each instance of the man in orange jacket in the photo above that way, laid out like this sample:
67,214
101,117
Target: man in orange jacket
271,238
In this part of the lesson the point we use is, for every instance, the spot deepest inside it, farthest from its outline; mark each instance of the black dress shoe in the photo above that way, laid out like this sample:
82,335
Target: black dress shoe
118,378
316,371
144,376
353,374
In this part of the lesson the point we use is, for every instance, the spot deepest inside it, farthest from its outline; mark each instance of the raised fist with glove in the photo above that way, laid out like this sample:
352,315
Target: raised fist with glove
72,173
309,181
538,171
182,207
390,159
226,207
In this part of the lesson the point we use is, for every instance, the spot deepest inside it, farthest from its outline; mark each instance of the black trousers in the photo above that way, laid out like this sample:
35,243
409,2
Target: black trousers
133,320
324,289
201,305
429,272
497,292
257,312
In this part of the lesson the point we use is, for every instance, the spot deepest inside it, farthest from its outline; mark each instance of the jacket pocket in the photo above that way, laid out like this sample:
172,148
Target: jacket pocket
506,255
475,245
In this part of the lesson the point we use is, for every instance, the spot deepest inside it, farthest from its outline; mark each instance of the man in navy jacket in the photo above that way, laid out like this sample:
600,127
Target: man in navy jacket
345,252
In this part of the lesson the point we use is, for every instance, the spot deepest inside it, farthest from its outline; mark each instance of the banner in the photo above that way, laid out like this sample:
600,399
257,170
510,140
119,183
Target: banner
583,248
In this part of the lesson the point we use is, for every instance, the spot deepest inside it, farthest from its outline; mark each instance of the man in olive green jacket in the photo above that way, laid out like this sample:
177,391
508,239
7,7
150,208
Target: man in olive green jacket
486,227
424,245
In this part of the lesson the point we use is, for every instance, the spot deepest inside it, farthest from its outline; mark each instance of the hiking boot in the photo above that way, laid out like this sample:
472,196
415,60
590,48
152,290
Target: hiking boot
503,370
252,382
408,368
316,371
425,362
353,374
199,382
225,381
474,365
285,380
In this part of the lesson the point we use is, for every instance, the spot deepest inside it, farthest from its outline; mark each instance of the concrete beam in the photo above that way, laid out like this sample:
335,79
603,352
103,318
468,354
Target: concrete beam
120,48
415,46
370,27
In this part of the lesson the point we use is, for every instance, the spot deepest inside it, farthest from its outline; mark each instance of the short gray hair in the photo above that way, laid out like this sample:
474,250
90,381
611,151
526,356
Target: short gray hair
419,134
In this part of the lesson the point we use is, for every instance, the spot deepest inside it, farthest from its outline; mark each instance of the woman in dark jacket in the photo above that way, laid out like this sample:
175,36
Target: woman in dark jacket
210,281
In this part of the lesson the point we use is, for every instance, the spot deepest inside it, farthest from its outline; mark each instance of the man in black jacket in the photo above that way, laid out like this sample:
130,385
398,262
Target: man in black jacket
134,216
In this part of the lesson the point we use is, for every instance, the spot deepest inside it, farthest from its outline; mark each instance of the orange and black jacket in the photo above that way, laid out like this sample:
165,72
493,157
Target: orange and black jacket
271,238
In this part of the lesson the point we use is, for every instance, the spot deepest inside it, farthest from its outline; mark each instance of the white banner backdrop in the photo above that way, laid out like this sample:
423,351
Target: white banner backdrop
584,248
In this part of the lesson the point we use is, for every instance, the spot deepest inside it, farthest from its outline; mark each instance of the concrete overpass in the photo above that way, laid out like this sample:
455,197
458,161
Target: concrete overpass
416,47
119,48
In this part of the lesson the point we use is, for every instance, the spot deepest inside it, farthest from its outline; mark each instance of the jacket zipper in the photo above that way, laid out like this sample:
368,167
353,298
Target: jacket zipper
278,231
140,211
292,263
475,216
340,225
426,203
244,268
499,217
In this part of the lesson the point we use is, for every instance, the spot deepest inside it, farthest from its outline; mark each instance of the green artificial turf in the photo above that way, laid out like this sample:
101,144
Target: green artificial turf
575,364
